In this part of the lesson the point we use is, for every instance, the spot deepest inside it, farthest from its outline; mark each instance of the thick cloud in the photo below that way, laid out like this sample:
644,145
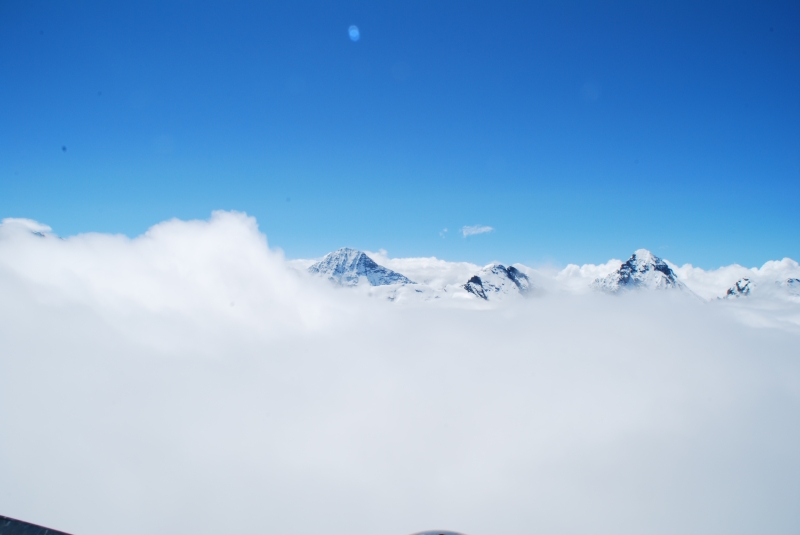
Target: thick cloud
191,381
715,282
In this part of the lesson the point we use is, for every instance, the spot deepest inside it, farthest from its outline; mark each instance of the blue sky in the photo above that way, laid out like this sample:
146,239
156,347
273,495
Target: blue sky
579,131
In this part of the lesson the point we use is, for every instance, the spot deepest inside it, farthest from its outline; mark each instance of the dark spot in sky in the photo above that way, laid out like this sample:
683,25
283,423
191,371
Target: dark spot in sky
99,93
636,161
288,199
41,32
772,29
63,148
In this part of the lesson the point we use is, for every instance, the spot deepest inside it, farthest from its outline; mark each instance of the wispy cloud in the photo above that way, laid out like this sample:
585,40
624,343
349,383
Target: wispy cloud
469,230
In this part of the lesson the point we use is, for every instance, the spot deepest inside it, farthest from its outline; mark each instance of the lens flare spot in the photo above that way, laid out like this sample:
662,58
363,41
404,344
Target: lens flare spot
355,35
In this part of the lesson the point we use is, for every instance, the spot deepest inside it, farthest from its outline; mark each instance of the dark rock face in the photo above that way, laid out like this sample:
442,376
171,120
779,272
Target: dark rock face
519,278
742,288
475,286
9,526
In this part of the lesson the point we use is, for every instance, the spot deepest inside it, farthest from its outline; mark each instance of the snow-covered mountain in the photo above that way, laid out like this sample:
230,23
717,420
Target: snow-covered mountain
496,281
792,286
348,267
462,283
742,288
642,270
745,287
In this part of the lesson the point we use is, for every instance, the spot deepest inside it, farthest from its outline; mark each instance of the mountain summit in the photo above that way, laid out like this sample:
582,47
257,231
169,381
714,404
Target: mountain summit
742,288
642,270
347,267
792,286
496,281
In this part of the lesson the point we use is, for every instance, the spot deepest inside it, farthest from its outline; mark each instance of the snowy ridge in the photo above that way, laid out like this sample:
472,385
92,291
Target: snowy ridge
792,286
496,281
643,270
742,288
462,283
348,267
745,287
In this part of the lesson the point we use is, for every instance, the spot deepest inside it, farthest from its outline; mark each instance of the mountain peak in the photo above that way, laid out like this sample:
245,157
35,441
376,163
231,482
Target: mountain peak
496,281
742,288
792,286
644,255
642,270
347,267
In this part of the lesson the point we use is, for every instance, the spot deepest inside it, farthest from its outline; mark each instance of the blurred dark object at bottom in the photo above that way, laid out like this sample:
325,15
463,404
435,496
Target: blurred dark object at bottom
9,526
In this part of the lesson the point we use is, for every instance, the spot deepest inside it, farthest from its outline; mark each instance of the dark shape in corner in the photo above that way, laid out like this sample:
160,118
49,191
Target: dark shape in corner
9,526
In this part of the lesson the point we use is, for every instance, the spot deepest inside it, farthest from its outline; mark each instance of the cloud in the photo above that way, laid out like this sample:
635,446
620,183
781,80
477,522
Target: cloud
708,284
715,282
577,279
190,380
470,230
29,224
429,270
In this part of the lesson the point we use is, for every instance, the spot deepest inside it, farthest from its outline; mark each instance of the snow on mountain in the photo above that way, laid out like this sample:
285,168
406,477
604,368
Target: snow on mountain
742,288
714,283
745,286
17,224
496,281
461,282
642,270
791,286
348,267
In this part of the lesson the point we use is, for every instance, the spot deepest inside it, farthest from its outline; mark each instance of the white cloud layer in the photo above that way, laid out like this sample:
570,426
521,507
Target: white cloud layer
191,381
715,282
470,230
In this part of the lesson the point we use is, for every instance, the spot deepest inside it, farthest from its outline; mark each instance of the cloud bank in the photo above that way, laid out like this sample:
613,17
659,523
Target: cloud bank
191,380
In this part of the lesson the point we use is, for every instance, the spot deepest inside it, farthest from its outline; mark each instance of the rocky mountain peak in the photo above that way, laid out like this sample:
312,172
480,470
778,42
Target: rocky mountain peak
496,281
741,288
642,270
348,267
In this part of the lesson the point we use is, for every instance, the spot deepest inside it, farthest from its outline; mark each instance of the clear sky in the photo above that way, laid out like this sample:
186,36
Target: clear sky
579,131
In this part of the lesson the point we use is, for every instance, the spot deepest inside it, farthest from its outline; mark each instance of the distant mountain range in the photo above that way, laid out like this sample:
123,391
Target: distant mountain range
349,267
643,271
744,287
